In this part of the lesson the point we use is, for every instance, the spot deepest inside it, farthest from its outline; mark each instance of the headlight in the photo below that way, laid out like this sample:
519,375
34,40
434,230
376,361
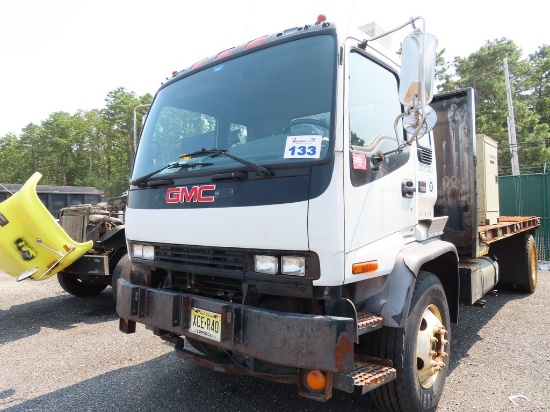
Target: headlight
266,264
293,265
138,251
146,252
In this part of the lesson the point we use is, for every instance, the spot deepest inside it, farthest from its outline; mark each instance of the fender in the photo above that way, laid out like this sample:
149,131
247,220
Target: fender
394,299
113,238
440,258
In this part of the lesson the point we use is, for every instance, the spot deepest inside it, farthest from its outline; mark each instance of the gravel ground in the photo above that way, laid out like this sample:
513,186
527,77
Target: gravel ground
60,353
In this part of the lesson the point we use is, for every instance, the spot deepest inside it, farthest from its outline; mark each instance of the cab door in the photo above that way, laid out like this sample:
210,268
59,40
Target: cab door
379,181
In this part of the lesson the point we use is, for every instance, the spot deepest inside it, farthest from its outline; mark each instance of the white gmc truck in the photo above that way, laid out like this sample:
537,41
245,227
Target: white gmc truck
303,209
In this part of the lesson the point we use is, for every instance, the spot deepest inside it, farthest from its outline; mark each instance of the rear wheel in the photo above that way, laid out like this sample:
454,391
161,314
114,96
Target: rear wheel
420,351
529,266
80,285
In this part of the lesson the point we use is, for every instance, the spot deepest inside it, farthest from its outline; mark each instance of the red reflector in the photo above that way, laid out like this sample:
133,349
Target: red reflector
198,64
224,54
254,43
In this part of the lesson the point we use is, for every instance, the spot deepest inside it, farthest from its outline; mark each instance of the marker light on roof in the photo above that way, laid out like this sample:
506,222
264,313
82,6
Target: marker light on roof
225,53
198,64
256,42
321,18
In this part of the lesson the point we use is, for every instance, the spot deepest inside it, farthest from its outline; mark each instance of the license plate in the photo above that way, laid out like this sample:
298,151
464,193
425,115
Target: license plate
207,324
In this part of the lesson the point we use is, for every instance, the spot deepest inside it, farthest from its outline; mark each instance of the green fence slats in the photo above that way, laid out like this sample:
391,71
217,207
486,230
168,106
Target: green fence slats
527,195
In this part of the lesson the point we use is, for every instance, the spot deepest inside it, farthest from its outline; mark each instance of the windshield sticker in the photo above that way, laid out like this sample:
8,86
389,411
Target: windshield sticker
359,161
303,147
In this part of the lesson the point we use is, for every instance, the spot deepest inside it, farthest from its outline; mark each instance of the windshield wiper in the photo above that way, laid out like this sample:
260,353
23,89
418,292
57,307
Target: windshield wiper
141,181
262,171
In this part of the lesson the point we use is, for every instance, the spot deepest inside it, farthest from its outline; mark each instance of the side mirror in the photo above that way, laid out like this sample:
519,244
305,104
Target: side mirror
417,69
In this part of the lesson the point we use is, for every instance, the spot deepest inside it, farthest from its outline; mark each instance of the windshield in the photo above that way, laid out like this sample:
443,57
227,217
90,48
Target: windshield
271,107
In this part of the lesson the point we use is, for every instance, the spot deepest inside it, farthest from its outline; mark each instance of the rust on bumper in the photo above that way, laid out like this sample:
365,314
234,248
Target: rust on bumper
288,339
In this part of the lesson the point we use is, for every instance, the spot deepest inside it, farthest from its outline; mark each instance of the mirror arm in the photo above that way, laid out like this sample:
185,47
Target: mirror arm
363,44
376,159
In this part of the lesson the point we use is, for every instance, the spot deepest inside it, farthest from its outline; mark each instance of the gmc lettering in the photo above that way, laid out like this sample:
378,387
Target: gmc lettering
184,194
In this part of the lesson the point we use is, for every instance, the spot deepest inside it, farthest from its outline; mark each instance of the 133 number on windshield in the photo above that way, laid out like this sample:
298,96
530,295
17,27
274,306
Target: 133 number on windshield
303,150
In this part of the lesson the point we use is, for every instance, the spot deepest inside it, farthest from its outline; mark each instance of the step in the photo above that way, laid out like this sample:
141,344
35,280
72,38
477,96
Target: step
367,322
368,374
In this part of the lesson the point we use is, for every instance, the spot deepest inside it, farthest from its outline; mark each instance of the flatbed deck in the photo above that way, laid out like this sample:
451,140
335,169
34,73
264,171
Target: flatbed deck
507,226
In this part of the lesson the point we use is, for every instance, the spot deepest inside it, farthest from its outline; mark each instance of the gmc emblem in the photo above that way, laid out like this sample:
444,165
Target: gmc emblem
195,194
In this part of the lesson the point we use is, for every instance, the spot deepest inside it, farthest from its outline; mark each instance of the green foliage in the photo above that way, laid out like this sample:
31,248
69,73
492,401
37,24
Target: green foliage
89,148
529,81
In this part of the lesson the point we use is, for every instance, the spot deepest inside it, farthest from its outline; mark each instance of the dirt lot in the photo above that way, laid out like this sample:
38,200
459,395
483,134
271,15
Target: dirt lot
60,353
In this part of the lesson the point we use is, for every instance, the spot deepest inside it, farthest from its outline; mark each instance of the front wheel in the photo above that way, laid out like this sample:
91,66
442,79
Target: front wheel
80,285
420,351
122,270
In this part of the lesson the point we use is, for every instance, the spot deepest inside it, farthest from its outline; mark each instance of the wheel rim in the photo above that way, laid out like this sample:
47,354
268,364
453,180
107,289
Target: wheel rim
533,263
430,346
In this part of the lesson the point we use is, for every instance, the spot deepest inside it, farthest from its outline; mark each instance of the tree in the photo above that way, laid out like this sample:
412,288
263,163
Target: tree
12,156
119,150
443,74
483,71
539,83
88,148
62,141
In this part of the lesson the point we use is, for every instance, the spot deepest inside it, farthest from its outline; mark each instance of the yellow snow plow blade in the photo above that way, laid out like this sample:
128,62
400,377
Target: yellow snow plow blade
32,243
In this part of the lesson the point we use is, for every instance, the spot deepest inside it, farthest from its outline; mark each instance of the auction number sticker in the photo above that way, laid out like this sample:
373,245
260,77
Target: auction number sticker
303,147
207,324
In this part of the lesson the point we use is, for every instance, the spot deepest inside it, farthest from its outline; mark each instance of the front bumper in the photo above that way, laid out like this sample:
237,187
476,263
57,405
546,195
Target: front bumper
288,339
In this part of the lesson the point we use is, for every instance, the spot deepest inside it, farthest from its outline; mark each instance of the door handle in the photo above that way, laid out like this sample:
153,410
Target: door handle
407,189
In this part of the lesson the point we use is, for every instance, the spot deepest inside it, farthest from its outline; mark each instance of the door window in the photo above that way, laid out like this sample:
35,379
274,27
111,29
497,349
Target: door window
373,106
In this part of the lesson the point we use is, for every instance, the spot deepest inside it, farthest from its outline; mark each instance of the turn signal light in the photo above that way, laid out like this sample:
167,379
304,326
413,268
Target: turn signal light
316,380
364,267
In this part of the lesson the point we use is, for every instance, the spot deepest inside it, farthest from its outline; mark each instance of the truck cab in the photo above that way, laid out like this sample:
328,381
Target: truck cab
280,219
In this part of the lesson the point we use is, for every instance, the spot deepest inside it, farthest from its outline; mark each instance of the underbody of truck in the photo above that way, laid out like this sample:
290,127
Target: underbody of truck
103,224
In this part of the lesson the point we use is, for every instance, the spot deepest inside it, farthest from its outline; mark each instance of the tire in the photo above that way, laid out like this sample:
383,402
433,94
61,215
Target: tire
421,364
529,266
122,270
80,285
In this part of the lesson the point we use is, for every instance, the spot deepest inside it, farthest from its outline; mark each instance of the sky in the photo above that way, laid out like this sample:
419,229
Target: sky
67,55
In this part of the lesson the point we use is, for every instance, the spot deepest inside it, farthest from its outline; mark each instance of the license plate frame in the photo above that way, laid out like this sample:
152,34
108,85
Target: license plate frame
206,324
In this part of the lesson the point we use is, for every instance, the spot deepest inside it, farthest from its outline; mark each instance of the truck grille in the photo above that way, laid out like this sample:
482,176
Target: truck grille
202,260
206,271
